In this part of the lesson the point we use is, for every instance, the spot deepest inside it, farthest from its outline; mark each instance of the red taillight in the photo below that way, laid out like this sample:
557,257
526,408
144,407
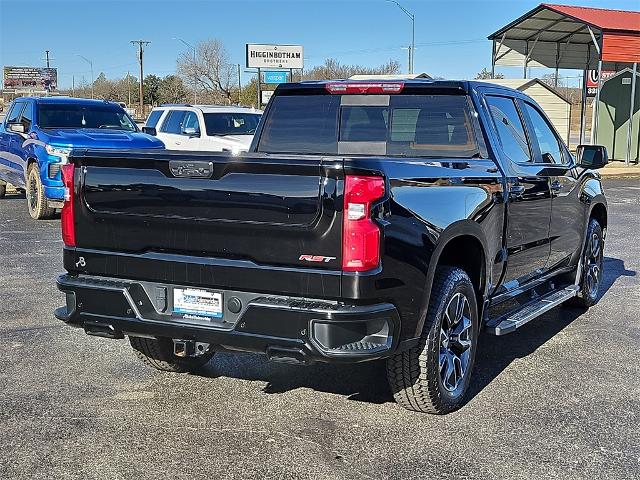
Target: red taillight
362,88
67,217
360,235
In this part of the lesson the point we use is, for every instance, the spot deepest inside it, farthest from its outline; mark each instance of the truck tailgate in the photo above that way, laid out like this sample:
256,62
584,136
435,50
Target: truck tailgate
236,215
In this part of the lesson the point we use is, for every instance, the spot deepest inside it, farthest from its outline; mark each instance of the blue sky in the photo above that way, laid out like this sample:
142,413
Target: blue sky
450,35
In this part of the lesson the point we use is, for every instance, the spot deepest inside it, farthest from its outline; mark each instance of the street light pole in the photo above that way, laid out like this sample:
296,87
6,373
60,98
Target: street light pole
91,65
195,80
413,33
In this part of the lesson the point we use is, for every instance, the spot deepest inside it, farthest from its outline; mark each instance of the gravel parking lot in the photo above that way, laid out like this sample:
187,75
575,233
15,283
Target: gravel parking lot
557,399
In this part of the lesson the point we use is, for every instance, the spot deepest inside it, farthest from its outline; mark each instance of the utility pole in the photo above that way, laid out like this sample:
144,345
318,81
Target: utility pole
239,85
141,44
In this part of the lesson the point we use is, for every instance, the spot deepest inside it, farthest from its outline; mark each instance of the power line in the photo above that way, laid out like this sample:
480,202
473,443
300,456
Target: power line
397,47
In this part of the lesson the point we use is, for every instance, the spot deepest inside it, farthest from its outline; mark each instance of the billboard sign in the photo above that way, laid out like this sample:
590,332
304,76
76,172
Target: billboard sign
275,77
274,56
30,79
592,80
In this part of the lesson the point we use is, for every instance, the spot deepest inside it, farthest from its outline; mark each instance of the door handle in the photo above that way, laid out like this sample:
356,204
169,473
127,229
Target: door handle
516,191
178,143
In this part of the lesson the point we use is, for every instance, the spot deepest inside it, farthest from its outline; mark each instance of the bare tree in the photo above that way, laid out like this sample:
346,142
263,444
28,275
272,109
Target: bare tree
333,69
210,69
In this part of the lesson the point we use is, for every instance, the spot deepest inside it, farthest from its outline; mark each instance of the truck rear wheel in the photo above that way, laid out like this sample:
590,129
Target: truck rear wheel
434,376
158,353
36,201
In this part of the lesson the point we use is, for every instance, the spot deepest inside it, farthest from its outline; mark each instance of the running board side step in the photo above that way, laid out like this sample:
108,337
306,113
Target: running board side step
511,321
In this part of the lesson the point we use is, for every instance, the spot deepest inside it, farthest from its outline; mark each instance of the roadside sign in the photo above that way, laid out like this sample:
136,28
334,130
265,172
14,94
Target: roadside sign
275,77
278,56
266,96
592,80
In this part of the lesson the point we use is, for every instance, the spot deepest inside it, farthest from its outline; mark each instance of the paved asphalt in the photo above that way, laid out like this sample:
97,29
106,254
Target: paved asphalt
557,399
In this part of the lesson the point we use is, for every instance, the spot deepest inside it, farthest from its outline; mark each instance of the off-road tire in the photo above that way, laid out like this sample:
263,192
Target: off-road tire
3,189
36,201
158,353
414,375
587,297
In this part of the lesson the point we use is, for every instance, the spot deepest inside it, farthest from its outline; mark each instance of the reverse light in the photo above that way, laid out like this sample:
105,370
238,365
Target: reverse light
67,216
360,235
362,88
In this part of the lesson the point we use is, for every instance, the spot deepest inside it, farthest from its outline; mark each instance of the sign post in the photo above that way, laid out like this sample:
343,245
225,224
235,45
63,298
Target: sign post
631,109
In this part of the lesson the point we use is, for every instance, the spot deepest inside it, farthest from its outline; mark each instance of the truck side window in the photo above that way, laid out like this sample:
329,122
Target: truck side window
14,113
510,128
190,121
550,147
27,116
173,122
154,116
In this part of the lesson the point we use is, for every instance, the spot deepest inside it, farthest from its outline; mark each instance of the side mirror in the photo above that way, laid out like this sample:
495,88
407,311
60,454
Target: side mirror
192,132
16,127
150,131
592,156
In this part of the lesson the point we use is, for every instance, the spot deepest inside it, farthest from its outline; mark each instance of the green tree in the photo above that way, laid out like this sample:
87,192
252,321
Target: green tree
172,90
249,95
151,89
486,75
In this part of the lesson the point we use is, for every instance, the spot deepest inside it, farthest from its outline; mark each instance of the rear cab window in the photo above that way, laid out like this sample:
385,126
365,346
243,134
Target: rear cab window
231,123
438,125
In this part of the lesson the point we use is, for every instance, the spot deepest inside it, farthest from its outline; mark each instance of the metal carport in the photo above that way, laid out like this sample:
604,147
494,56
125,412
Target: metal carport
568,37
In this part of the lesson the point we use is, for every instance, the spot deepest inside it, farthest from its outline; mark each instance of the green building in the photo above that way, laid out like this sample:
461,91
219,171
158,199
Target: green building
613,116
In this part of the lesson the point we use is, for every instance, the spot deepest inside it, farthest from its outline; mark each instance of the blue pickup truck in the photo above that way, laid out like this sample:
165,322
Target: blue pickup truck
38,134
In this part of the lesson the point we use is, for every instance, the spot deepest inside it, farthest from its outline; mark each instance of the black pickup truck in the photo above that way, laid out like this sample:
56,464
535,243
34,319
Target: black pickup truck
369,220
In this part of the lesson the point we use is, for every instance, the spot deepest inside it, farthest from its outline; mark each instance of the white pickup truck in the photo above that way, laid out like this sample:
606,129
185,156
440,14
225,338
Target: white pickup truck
204,127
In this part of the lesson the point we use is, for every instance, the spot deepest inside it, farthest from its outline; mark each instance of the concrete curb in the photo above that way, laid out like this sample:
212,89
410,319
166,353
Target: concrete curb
630,172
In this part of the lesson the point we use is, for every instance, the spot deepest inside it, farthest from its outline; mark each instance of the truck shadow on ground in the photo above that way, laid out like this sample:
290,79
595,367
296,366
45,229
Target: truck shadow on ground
366,382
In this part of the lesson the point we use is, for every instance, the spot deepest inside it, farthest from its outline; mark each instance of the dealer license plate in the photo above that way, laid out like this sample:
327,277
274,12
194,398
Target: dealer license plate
197,304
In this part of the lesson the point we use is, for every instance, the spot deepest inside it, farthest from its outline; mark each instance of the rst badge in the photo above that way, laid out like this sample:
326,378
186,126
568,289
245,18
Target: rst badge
315,258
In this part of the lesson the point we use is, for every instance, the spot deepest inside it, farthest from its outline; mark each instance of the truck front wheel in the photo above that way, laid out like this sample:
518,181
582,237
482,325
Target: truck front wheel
592,263
158,353
36,201
433,377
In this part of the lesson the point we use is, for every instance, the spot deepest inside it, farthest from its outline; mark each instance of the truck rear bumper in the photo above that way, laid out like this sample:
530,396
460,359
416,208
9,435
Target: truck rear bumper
283,328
